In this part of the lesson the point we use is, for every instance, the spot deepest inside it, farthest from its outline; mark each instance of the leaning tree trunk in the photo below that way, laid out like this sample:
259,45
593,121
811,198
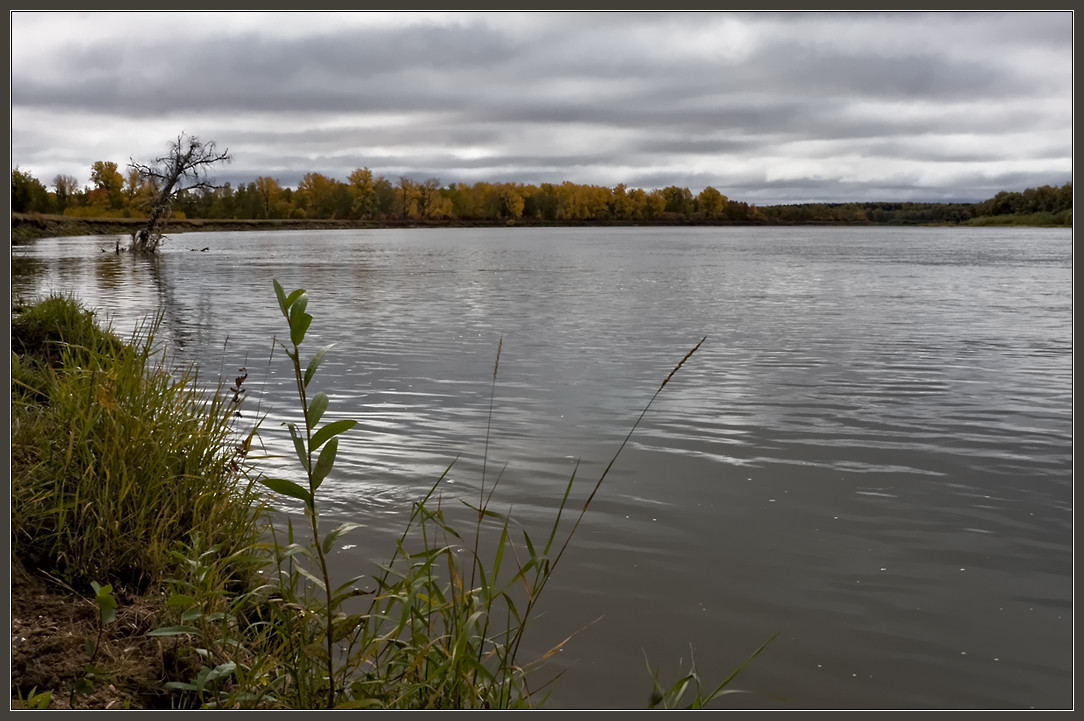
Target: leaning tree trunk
149,237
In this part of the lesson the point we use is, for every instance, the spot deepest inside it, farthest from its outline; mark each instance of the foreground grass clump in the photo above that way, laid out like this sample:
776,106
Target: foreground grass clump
114,457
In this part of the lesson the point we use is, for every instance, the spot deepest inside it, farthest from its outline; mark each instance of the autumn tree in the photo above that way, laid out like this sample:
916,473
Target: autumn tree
428,194
637,201
620,204
654,204
408,193
269,193
106,177
319,193
363,194
507,202
185,167
710,202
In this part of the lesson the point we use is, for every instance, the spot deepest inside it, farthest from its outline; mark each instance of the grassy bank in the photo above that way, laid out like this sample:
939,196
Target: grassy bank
147,573
1064,219
117,461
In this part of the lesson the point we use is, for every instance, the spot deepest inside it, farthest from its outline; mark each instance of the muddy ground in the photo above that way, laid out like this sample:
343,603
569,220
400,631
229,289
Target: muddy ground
49,627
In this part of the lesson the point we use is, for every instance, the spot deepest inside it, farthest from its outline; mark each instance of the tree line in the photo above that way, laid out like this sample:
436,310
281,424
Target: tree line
364,196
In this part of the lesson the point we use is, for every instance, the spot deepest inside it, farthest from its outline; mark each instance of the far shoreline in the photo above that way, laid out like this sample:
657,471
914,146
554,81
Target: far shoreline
26,227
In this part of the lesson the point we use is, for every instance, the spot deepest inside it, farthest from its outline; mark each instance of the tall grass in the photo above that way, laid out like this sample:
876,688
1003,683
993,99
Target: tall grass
115,457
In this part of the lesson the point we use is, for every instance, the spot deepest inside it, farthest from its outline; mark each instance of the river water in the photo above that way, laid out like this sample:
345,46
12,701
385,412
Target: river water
871,453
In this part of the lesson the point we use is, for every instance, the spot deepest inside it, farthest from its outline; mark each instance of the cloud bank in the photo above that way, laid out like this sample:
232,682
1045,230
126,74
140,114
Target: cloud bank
768,108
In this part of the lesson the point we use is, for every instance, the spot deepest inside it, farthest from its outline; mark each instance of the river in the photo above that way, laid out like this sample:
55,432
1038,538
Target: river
871,453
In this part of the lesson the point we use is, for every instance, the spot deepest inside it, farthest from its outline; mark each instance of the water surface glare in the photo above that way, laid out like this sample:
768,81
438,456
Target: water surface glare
871,453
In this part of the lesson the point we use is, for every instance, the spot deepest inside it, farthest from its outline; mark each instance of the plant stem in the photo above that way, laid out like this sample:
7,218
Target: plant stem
315,528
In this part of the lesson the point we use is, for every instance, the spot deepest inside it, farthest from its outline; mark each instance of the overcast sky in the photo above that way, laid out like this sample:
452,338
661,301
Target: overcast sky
765,107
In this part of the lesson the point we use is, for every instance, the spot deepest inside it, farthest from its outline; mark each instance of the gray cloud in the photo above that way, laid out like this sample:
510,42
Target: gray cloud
774,106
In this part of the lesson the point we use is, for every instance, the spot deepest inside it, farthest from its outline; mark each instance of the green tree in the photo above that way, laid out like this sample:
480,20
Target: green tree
678,200
385,196
67,189
28,195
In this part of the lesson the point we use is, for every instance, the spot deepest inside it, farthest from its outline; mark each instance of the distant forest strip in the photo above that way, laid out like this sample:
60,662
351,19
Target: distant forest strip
368,200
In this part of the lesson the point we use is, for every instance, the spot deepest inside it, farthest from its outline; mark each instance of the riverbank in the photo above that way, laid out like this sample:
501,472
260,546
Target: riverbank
26,227
118,464
29,226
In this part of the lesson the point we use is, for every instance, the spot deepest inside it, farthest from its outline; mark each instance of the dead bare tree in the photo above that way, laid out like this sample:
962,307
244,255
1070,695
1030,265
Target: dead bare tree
185,167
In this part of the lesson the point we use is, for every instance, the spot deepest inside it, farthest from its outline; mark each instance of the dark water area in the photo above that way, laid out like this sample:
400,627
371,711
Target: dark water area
871,453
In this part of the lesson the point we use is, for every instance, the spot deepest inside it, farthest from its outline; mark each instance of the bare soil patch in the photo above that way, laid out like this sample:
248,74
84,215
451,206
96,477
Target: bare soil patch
51,623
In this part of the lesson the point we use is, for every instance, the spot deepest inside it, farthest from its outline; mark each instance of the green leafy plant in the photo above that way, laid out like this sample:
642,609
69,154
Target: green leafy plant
107,614
34,700
308,441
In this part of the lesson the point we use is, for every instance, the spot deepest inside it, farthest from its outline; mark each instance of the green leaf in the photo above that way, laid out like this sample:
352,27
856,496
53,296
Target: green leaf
299,323
331,537
299,446
173,631
88,646
287,488
324,462
191,615
179,599
314,650
317,406
312,577
298,304
83,685
315,363
281,295
292,298
295,548
221,671
107,605
180,685
201,677
349,583
331,429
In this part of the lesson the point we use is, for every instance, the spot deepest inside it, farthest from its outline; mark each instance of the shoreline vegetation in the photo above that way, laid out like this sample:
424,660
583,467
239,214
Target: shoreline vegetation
26,227
150,572
117,203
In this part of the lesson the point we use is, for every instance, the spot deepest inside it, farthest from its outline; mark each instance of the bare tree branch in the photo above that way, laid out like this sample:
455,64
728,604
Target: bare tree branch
186,167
